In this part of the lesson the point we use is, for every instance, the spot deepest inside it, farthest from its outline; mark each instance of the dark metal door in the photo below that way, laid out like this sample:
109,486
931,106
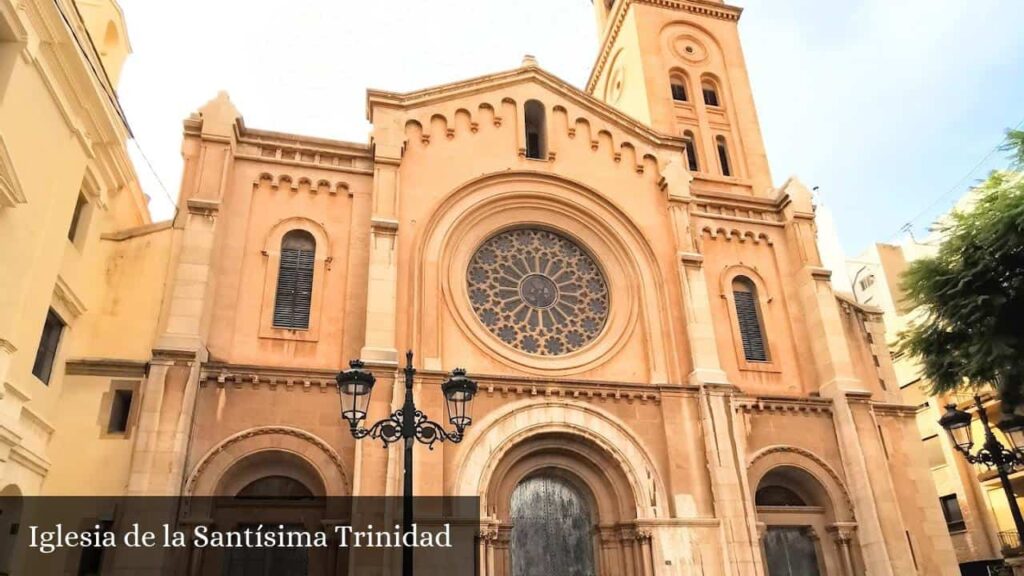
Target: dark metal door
790,551
267,561
552,529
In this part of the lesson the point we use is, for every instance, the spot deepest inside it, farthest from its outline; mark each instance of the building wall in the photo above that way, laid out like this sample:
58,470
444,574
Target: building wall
982,504
52,99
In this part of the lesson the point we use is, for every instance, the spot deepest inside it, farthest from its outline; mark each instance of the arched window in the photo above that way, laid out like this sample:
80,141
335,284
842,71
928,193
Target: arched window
276,487
295,281
748,315
777,496
678,84
710,93
723,156
536,131
690,143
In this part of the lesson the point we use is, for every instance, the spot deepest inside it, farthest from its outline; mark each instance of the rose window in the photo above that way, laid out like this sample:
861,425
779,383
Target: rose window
538,291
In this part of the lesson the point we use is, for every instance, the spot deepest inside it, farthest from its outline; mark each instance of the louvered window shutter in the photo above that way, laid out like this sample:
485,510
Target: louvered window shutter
294,288
750,326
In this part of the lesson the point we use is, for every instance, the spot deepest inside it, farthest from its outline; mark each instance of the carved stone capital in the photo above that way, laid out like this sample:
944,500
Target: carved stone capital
842,532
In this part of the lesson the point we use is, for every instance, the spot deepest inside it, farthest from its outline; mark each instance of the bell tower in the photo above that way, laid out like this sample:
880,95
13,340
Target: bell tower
677,66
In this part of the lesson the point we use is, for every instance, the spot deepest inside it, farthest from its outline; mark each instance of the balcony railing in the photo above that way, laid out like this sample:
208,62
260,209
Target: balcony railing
1010,543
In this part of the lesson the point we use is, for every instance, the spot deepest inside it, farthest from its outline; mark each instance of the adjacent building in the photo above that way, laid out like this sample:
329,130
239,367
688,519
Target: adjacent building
658,346
972,499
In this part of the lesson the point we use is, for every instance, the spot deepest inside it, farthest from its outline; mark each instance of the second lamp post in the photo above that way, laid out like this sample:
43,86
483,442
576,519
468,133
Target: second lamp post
407,423
992,453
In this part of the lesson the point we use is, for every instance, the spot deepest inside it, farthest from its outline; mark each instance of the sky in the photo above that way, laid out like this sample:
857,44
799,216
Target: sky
892,108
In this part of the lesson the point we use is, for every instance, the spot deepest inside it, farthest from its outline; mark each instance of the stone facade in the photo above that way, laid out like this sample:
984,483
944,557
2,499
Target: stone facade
719,399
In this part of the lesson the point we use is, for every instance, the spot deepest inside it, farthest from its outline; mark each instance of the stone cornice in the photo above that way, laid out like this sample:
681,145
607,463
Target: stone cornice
699,7
901,410
63,292
784,404
106,367
492,82
248,376
137,231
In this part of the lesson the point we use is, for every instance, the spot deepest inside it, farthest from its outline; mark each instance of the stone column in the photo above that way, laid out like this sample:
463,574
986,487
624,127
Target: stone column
486,539
842,535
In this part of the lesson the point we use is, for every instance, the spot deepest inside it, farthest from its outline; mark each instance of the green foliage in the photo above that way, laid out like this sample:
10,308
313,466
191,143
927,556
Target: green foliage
972,292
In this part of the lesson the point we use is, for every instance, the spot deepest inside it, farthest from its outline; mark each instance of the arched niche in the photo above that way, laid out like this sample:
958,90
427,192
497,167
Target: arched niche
289,451
523,431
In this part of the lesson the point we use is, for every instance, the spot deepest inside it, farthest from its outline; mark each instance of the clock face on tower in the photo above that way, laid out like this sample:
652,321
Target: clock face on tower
538,291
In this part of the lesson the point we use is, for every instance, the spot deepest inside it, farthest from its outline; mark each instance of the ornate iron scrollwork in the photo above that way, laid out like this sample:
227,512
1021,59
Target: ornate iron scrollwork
389,430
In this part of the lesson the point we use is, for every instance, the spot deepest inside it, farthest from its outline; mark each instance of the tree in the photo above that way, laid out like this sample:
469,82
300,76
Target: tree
971,293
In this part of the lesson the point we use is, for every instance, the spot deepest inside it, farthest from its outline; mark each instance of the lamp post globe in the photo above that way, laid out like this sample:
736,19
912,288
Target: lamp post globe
1012,426
355,386
958,424
459,392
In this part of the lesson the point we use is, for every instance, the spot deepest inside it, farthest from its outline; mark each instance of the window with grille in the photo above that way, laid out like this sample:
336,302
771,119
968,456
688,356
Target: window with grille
295,281
53,327
748,315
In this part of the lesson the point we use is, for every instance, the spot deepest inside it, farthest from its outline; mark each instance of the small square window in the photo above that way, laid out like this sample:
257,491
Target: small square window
48,343
120,411
951,511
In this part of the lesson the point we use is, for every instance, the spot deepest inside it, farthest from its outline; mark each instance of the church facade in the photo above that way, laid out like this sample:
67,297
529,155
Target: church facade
657,345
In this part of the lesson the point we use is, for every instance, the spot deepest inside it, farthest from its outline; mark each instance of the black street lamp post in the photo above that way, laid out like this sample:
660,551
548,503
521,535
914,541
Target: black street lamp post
407,423
992,453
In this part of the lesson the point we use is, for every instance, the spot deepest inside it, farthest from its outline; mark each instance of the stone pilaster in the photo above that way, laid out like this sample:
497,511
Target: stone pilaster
169,392
733,507
380,345
835,375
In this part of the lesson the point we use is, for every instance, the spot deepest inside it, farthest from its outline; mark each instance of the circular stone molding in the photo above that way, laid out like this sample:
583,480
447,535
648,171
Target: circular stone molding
689,48
538,291
492,205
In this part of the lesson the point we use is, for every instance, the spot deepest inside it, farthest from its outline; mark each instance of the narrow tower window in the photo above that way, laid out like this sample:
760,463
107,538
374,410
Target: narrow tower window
678,88
690,145
536,132
295,281
748,315
723,156
710,93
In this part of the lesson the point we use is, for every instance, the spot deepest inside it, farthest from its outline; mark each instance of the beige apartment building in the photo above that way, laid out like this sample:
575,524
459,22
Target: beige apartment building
67,187
973,501
645,310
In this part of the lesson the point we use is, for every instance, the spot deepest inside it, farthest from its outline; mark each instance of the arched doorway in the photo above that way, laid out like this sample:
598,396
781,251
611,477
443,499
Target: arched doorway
562,505
10,526
282,492
552,528
799,526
